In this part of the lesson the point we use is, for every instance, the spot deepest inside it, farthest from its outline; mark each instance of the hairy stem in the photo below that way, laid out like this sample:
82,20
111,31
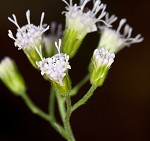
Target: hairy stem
36,110
67,119
51,106
61,105
84,98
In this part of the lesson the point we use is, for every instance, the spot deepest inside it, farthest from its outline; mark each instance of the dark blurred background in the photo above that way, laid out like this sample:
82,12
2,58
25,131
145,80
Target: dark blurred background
119,111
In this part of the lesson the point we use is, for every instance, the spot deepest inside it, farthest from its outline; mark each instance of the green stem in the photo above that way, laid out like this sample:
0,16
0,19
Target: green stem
43,115
75,90
51,107
67,119
61,105
84,98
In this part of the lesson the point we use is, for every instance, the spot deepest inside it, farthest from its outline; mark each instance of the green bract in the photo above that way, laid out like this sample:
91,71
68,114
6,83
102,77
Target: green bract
64,89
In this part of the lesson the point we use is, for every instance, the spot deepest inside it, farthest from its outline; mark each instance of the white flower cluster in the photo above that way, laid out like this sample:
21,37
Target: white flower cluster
102,57
28,35
82,19
113,40
56,66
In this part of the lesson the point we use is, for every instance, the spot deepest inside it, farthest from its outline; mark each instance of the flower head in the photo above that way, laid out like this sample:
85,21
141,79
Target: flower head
84,20
101,62
55,67
11,77
80,21
113,40
28,35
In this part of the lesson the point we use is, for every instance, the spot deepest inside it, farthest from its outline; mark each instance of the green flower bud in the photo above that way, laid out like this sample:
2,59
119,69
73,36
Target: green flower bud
100,65
29,37
11,77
